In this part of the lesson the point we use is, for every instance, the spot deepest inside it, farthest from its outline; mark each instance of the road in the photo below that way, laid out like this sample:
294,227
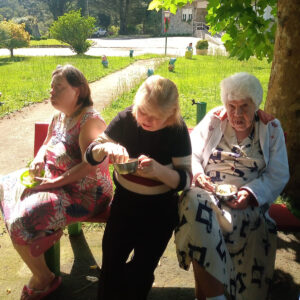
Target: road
120,47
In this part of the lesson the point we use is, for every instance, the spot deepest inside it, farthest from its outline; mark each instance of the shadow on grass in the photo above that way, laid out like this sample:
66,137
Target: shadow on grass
75,286
284,287
283,284
171,293
293,243
9,60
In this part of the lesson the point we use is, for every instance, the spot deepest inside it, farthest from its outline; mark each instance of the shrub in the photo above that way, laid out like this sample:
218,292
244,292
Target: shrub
73,29
202,44
113,30
13,36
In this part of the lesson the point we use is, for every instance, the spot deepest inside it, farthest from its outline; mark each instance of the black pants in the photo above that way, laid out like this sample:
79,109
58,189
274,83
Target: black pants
140,223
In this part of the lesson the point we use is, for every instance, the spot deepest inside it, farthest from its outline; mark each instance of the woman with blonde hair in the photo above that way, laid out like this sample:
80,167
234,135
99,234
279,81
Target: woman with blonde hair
144,210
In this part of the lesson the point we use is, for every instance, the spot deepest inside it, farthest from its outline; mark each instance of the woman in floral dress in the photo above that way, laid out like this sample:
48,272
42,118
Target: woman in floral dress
70,189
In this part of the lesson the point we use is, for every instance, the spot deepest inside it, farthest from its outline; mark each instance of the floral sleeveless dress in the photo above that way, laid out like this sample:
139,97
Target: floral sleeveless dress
39,213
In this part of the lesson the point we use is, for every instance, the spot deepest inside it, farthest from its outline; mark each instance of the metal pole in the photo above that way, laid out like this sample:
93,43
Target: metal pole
166,44
201,111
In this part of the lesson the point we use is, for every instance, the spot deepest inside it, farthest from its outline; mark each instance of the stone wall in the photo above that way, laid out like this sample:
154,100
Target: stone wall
177,25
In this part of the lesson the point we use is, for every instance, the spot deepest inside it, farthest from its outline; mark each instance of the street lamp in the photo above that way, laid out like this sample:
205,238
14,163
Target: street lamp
87,8
166,26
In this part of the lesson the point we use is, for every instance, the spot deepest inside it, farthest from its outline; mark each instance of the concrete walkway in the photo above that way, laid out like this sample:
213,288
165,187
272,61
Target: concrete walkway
120,47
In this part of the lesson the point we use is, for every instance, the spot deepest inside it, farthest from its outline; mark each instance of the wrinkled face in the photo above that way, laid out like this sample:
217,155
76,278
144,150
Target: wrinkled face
240,113
150,122
62,95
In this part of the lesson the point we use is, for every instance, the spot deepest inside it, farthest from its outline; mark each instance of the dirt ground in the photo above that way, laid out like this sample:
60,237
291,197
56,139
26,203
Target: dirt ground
16,148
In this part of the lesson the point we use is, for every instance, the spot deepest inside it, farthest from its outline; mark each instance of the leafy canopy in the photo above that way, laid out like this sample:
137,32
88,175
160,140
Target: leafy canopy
170,5
13,35
4,35
74,29
247,28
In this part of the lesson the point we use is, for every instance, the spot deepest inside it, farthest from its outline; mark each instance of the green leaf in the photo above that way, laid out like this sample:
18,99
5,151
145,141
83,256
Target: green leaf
155,4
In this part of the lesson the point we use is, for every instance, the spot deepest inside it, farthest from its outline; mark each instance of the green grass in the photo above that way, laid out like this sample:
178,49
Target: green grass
25,80
199,79
48,42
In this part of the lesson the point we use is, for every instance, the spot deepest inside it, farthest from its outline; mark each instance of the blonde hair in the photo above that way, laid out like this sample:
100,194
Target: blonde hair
159,96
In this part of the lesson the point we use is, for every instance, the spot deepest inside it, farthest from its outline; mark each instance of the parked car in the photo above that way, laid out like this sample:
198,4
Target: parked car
99,32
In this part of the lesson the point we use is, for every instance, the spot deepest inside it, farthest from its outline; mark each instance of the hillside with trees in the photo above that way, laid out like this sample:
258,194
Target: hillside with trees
126,16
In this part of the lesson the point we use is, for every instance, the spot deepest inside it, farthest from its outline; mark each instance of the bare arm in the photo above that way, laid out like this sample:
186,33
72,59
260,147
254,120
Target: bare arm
38,163
91,129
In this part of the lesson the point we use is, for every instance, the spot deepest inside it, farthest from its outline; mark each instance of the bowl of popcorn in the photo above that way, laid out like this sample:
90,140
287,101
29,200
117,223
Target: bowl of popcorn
226,192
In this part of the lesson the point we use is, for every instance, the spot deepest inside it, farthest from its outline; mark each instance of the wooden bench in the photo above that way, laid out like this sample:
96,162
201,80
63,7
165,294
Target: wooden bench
52,255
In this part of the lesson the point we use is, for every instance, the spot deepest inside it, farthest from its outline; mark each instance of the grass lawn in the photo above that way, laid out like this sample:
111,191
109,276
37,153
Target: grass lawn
199,79
48,42
25,80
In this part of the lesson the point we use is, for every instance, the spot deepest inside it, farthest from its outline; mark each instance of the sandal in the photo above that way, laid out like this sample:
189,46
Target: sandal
33,294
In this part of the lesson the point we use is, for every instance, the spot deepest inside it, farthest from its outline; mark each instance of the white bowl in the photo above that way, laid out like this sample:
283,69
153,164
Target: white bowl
226,192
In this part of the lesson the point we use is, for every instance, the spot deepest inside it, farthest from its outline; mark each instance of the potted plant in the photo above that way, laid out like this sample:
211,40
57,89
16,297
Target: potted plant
201,47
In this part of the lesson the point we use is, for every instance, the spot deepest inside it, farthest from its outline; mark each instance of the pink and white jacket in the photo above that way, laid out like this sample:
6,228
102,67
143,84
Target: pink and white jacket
273,178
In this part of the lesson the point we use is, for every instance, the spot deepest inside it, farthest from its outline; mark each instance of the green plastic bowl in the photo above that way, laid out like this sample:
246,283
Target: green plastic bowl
28,180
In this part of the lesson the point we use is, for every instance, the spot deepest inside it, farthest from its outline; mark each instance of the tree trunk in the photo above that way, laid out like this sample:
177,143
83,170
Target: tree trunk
11,52
123,12
283,99
57,7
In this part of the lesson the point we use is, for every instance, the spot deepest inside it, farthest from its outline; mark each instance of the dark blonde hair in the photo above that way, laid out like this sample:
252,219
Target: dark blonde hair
159,96
76,79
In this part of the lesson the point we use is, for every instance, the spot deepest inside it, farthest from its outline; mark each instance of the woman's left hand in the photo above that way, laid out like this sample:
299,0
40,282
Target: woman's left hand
46,184
242,200
148,167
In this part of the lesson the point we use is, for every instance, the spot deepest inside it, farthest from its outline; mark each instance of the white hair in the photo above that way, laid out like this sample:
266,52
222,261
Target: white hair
241,86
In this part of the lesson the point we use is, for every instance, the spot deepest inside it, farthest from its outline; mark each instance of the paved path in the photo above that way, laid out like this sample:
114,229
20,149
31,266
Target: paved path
120,47
17,130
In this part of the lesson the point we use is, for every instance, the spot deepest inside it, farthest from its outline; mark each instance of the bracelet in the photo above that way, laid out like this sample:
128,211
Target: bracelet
182,180
89,155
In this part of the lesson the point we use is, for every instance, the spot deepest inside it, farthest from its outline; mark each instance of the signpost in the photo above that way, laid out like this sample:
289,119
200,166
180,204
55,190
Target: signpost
166,27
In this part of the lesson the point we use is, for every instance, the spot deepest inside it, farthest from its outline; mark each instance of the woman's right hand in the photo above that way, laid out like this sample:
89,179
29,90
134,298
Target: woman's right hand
37,166
115,152
204,182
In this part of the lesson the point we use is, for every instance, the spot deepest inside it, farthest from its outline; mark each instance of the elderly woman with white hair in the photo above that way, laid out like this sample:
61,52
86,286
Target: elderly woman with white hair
232,244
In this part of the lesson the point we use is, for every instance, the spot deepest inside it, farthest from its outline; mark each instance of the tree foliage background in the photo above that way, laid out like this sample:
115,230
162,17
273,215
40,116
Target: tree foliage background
74,29
13,36
129,16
